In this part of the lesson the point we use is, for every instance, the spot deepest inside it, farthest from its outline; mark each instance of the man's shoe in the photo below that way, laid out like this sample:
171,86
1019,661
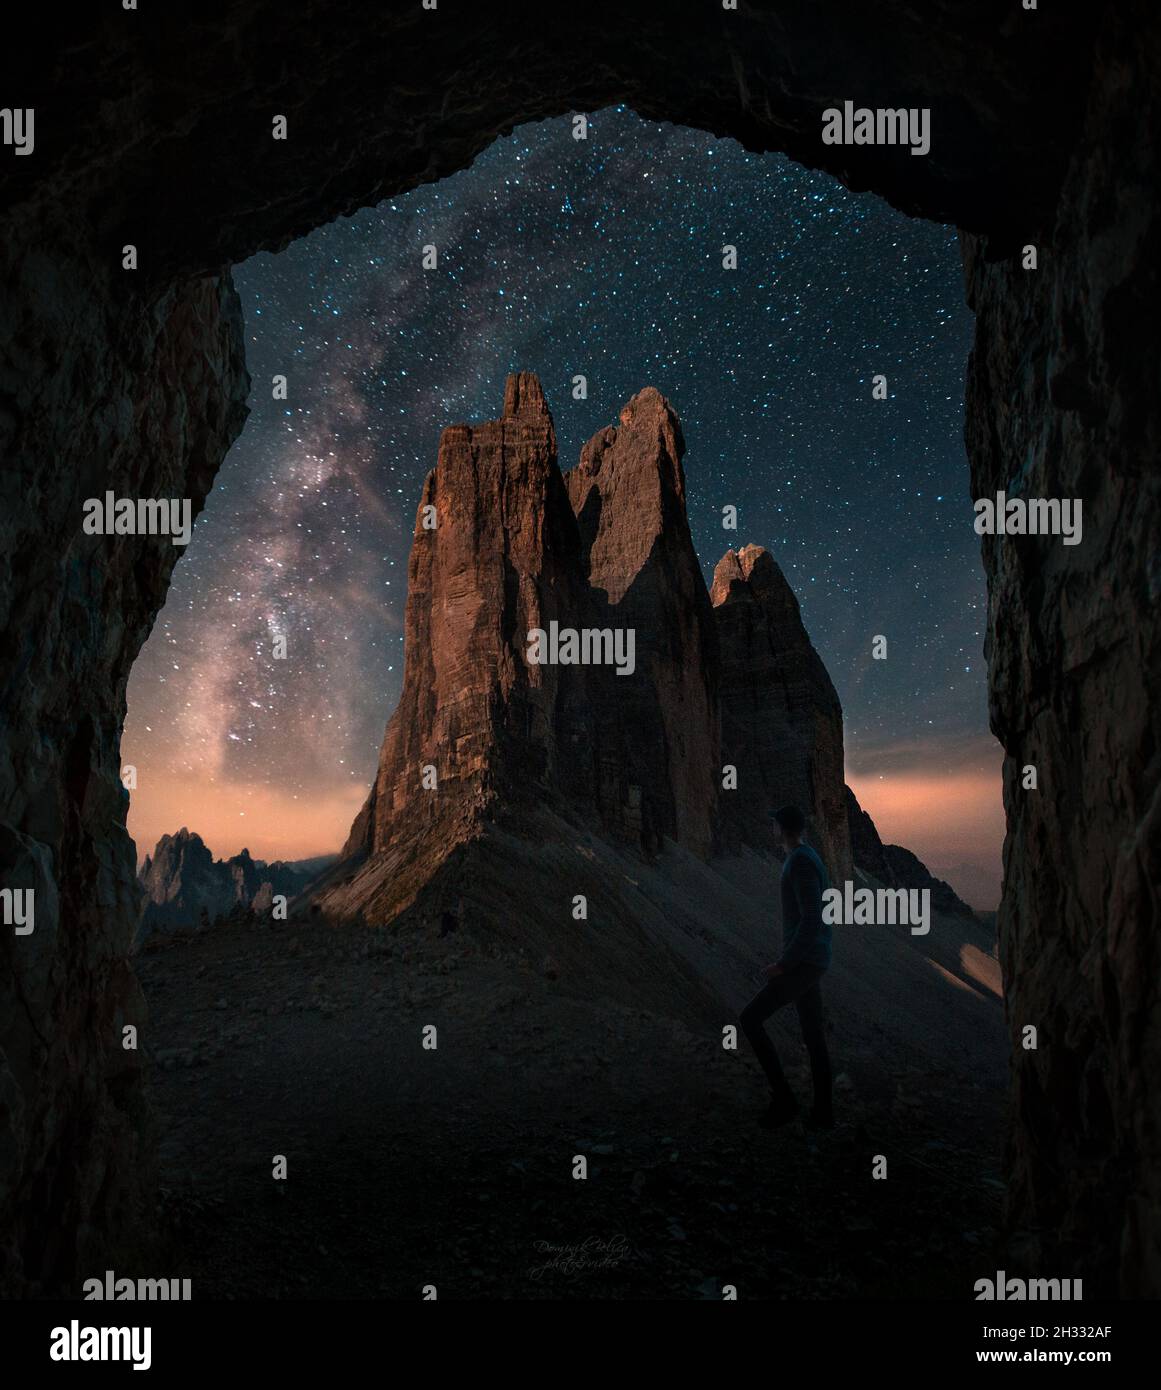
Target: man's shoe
777,1114
820,1119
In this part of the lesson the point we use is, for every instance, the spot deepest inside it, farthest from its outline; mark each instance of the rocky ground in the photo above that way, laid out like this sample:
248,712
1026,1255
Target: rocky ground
409,1167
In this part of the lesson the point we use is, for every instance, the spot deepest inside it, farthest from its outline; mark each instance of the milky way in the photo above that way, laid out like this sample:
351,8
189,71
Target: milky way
600,257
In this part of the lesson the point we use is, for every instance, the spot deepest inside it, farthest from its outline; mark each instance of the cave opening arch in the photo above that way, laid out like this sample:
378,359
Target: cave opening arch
1038,138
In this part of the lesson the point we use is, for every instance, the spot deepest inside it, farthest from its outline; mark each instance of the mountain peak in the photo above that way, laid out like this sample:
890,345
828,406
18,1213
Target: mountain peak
636,751
628,493
752,565
645,448
524,398
181,878
781,716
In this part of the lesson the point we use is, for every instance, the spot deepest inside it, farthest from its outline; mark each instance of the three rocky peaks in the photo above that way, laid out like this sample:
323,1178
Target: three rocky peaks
725,678
722,680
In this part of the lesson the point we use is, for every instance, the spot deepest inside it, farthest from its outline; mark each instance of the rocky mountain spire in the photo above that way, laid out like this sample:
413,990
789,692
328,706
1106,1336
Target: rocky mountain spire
504,546
659,727
524,399
494,555
782,723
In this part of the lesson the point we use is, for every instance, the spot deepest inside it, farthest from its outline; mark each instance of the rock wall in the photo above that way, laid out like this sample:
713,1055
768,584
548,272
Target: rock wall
165,114
1062,401
98,389
480,732
633,748
658,726
154,128
782,723
495,554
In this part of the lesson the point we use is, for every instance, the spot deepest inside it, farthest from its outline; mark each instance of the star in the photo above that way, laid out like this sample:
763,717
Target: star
604,258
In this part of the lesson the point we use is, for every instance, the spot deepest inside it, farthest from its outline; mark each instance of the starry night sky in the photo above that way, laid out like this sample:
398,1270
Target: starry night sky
601,257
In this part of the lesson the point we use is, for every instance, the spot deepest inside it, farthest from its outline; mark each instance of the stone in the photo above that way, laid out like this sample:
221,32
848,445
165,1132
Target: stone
519,548
502,560
658,730
782,723
1061,393
184,886
166,405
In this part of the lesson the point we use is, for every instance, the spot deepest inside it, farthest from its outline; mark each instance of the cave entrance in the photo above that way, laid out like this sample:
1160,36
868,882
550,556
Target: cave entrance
812,343
163,138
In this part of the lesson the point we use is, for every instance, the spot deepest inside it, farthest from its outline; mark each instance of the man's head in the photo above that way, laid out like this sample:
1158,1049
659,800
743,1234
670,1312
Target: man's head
790,823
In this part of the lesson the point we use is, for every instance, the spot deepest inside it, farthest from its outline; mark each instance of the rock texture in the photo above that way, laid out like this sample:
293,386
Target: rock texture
182,124
782,723
480,733
1062,401
511,546
477,727
184,885
1044,130
99,387
496,559
658,727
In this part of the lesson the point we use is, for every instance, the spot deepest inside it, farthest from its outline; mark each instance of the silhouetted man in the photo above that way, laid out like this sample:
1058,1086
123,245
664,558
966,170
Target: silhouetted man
795,978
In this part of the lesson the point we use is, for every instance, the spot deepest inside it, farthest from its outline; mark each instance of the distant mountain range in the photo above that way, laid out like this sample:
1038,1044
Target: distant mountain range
184,886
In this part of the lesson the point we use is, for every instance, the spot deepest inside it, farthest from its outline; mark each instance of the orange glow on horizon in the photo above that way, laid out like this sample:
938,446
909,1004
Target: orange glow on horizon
231,817
954,821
